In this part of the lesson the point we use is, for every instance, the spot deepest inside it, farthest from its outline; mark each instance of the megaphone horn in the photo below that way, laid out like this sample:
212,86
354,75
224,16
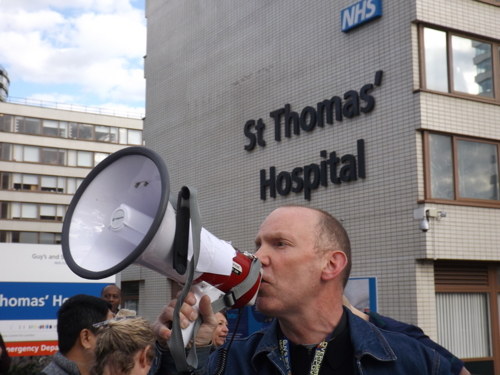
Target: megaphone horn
121,215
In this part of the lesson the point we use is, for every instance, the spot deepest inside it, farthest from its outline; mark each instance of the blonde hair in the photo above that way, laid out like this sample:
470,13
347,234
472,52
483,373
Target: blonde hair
117,343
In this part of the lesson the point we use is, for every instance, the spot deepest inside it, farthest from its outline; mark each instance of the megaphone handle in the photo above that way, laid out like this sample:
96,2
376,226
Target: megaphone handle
199,290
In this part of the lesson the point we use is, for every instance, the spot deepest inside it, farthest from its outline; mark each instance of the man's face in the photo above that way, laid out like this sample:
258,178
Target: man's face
112,294
291,266
220,333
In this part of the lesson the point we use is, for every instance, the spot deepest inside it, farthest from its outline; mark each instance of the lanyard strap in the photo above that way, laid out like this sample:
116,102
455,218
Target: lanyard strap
316,363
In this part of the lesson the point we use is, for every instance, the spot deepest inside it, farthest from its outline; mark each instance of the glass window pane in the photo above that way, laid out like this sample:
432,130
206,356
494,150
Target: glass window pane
8,123
32,154
30,179
441,162
6,151
84,159
28,237
49,183
18,153
72,158
71,185
85,131
436,65
47,238
50,155
477,170
61,157
19,124
29,211
73,130
48,210
32,125
6,181
15,237
63,129
123,136
472,71
135,137
98,157
51,127
15,210
61,184
102,133
113,135
470,312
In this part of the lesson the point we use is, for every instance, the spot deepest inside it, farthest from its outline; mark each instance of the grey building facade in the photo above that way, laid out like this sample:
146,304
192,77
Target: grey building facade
258,104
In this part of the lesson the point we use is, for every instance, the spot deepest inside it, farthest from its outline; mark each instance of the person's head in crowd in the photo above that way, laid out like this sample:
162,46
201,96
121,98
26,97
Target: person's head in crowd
113,295
220,333
306,259
75,328
124,347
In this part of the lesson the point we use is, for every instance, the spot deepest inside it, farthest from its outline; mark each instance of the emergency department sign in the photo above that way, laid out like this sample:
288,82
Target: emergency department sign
360,13
34,283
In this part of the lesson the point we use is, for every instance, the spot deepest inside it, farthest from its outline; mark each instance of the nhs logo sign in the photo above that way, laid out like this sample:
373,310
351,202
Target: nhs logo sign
360,13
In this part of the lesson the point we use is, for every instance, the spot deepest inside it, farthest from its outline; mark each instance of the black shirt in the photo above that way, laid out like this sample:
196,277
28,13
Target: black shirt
339,355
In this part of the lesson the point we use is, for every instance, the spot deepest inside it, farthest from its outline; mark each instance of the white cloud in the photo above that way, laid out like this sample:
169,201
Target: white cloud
96,44
53,98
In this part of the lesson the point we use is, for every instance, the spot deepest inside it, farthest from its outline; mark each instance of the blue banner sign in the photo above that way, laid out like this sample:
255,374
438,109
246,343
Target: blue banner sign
360,13
30,301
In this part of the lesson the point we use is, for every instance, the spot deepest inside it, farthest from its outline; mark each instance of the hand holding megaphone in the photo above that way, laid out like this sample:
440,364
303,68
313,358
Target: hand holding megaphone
162,327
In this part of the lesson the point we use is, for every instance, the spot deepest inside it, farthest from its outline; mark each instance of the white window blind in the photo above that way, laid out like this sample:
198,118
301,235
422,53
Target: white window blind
463,318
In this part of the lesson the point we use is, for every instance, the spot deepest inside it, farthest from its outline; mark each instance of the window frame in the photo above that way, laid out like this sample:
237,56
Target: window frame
492,289
495,66
461,201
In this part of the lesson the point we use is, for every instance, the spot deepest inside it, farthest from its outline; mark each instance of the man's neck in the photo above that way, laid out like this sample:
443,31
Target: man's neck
311,327
79,358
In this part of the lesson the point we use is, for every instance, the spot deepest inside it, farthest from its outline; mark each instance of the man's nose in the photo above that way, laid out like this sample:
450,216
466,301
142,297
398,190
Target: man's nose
261,254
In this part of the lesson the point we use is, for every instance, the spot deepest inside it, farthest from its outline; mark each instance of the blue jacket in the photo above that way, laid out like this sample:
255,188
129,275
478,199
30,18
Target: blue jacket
415,332
376,352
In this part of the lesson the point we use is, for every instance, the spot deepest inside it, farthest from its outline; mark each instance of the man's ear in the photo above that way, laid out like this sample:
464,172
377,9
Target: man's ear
86,338
336,261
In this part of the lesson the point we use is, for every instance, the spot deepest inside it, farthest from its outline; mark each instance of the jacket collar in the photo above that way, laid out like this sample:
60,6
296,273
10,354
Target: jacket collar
365,337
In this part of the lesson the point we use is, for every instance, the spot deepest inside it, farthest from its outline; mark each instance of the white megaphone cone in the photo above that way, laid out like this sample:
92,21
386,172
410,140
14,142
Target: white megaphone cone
121,215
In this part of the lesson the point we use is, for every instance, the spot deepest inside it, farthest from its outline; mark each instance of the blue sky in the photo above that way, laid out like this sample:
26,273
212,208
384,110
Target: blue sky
85,52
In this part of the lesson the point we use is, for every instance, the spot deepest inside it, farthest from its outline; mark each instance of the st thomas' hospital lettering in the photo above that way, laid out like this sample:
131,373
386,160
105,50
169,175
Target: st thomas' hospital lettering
313,175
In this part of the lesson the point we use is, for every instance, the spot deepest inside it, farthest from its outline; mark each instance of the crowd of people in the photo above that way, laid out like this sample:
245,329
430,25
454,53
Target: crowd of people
306,261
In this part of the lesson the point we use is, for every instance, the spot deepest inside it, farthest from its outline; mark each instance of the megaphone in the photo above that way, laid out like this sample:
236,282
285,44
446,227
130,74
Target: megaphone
121,215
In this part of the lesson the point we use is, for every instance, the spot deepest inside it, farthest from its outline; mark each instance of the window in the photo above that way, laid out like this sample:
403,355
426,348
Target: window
32,125
64,129
467,309
85,159
460,65
30,237
32,211
25,182
123,136
6,123
53,156
135,137
130,295
461,169
48,155
102,133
